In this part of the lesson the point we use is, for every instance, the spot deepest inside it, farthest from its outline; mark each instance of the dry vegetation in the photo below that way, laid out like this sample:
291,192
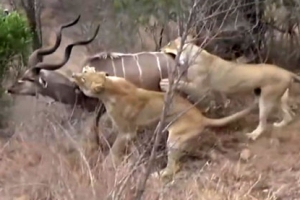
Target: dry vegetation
47,153
53,158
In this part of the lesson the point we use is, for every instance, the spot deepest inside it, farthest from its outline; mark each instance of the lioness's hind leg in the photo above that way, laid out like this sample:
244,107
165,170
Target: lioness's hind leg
286,111
265,107
178,145
269,98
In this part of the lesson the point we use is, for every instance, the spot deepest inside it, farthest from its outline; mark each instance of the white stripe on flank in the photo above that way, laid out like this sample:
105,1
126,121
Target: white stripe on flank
158,64
114,67
168,64
123,67
119,54
140,69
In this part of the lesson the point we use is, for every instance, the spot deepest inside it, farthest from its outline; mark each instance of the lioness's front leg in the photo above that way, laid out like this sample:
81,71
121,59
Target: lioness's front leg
188,88
125,136
116,152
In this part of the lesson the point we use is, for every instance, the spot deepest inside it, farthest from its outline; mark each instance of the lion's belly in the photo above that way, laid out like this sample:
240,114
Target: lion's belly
236,82
233,86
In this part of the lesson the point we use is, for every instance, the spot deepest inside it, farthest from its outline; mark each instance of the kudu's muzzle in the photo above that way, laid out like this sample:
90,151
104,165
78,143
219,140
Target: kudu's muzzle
76,87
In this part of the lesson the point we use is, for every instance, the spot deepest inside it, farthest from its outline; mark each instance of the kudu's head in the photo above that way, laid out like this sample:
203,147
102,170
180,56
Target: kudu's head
42,78
31,82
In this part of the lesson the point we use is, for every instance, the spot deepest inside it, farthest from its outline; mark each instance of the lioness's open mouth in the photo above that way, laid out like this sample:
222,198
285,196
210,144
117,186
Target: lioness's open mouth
172,55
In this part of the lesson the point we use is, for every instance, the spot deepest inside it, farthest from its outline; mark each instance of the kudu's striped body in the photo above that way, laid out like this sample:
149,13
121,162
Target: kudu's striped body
144,69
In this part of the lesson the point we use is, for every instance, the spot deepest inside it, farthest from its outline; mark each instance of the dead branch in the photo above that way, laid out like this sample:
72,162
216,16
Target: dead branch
168,99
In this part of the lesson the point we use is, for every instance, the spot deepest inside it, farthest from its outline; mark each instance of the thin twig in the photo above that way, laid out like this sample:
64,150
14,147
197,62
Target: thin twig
167,102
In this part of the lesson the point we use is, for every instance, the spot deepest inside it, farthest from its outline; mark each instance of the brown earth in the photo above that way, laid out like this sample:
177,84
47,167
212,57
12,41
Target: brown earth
48,155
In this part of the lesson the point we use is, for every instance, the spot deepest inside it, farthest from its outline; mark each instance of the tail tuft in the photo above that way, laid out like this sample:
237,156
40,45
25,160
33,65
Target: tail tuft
257,91
296,77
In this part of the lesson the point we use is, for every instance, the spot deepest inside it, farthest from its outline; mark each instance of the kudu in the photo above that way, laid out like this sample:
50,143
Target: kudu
144,69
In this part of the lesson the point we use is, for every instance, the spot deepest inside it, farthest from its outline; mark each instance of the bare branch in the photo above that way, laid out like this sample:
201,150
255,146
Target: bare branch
167,102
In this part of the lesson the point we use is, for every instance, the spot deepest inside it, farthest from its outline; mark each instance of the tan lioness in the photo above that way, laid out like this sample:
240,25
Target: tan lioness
207,72
130,108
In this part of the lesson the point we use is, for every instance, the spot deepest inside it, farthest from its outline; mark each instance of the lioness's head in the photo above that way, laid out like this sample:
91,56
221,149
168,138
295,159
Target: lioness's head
88,69
189,49
173,46
90,82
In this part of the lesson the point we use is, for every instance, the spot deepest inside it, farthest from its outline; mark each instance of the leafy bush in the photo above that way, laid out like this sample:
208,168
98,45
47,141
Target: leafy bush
15,39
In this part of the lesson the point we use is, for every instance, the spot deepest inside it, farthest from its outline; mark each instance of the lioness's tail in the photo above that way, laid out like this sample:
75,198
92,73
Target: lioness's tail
226,120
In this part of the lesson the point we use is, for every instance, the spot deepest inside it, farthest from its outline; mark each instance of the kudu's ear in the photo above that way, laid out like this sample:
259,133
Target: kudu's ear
43,83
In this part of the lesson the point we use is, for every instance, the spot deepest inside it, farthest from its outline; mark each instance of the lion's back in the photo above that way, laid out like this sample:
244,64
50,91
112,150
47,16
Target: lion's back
182,105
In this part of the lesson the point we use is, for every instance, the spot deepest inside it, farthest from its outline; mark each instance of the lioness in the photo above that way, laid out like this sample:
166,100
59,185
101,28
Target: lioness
209,72
131,108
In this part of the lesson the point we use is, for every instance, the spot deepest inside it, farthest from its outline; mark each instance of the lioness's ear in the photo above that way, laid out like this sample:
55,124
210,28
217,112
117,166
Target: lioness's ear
97,87
192,33
104,73
189,38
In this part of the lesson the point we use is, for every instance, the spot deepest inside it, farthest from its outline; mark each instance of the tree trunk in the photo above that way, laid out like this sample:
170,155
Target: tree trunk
33,16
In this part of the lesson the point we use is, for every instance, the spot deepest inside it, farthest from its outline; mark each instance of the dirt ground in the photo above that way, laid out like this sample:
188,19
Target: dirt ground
47,159
45,154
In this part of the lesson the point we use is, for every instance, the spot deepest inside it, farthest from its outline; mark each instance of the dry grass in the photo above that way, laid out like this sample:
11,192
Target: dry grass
44,170
52,155
52,158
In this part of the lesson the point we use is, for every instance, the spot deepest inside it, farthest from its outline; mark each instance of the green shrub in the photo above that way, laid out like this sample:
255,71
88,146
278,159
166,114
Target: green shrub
15,40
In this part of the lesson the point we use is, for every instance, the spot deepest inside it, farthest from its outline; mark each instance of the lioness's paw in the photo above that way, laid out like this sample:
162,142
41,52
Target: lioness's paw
155,175
163,176
164,85
227,102
253,136
279,124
